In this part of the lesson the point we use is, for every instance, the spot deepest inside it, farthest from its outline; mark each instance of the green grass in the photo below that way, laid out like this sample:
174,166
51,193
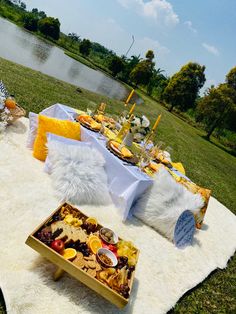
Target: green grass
205,163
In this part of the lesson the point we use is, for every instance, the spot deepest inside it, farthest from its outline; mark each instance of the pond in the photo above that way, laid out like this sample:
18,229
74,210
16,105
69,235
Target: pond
21,47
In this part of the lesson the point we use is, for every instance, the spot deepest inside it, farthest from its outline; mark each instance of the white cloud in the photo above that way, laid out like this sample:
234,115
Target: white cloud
211,49
159,10
189,24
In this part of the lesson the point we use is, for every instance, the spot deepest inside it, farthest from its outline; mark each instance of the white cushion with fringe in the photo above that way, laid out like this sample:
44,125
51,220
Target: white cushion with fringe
164,202
78,174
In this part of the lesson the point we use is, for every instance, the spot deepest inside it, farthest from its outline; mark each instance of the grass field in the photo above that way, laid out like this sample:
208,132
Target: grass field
205,163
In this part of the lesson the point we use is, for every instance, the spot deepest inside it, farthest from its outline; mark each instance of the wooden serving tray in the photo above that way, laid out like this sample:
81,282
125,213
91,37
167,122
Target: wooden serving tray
67,266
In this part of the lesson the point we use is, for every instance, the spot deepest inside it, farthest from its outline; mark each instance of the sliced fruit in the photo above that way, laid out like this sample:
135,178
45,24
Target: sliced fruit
69,253
92,220
95,245
91,237
125,152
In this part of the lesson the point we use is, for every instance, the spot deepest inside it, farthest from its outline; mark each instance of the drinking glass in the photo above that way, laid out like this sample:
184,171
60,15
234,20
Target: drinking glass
101,135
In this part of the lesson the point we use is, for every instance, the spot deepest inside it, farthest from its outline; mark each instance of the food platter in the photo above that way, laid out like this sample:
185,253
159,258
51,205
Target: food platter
86,121
132,160
87,126
70,239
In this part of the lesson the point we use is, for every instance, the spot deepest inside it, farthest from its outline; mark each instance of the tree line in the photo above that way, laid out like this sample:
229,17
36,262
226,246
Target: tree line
215,110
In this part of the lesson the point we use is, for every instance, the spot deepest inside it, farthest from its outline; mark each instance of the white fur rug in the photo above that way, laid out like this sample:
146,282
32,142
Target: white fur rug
163,274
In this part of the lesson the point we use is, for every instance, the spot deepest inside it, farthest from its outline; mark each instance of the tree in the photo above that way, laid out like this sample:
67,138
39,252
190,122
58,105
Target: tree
30,22
231,78
183,87
149,55
85,47
74,37
216,107
42,14
38,14
23,6
49,26
116,65
155,80
142,72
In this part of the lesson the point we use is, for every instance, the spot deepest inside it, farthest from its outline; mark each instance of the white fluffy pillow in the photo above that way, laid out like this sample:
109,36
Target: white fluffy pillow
68,141
78,174
164,202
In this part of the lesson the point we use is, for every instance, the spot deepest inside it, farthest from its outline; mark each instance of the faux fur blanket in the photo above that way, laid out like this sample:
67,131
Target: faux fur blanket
164,273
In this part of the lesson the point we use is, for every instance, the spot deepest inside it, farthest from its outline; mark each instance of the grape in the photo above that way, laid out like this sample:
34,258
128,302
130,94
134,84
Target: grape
90,228
130,270
122,261
124,291
45,236
57,233
56,216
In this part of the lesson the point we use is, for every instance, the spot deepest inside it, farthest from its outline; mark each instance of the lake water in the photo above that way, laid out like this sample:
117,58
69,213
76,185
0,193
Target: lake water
21,47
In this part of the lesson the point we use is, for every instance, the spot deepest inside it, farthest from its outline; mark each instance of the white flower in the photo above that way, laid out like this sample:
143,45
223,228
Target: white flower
145,122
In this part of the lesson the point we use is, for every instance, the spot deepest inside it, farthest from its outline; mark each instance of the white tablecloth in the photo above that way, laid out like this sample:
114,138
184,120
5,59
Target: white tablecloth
126,182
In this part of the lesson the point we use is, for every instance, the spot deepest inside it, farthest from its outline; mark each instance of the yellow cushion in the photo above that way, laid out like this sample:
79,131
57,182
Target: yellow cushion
64,128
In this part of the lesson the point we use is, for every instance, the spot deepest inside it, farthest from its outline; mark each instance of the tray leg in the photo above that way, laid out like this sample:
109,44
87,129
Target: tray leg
58,274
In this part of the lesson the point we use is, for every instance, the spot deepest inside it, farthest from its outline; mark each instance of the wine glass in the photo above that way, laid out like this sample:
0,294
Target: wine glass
102,131
144,159
92,107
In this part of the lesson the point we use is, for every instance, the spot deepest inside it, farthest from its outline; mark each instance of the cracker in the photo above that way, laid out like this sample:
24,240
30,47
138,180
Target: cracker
91,264
92,272
79,263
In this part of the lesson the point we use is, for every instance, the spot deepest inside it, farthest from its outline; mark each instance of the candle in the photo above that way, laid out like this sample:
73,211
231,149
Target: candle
129,97
157,122
132,109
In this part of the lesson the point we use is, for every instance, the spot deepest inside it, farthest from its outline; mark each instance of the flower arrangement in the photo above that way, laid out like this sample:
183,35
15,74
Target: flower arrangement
139,127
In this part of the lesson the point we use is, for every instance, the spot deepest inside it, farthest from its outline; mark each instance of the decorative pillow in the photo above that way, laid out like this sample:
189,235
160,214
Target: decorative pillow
78,174
164,202
33,126
52,137
64,128
58,111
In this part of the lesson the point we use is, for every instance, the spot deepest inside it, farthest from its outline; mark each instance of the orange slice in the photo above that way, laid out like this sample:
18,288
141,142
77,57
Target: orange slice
69,253
94,245
92,237
125,152
92,220
154,166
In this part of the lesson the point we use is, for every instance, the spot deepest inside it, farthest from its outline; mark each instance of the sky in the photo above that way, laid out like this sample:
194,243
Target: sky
178,31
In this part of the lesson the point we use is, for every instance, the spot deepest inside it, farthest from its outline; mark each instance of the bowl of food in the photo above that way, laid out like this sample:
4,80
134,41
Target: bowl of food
108,236
106,258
